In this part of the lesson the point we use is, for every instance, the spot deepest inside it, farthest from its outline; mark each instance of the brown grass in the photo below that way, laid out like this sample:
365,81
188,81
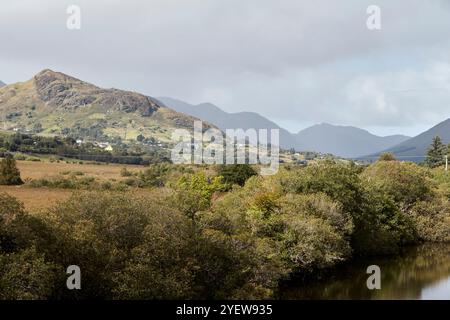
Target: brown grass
43,197
39,170
35,199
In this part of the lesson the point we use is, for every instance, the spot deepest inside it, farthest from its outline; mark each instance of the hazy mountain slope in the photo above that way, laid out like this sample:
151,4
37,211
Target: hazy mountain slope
415,149
344,141
55,103
338,140
2,84
223,120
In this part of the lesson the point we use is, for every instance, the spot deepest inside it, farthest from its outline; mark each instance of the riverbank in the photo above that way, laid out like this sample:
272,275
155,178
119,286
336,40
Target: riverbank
419,272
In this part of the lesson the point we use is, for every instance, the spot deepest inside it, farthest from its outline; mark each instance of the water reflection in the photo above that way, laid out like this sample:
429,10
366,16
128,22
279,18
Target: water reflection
421,272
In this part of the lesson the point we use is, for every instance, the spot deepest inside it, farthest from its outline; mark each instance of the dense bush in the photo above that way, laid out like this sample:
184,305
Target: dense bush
193,193
370,196
9,174
194,237
26,275
126,247
155,175
236,173
405,182
432,220
301,232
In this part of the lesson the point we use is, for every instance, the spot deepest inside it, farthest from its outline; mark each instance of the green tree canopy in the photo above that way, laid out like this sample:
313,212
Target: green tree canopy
9,174
436,153
236,173
387,156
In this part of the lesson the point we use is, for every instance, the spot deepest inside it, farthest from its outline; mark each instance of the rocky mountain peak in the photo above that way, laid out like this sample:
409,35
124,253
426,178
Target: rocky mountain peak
61,90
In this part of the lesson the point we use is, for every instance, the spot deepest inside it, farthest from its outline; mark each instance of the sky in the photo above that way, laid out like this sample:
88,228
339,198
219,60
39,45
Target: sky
297,62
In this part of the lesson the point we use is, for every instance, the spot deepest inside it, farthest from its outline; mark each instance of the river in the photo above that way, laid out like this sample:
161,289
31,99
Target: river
421,272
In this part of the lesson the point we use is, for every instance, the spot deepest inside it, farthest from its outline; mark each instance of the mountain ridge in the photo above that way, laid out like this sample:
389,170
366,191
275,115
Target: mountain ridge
224,120
54,103
415,149
329,138
302,140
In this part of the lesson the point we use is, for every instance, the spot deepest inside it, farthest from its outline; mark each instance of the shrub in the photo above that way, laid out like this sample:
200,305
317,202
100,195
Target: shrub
155,175
373,200
193,193
317,232
125,173
387,156
12,231
26,275
432,220
405,182
9,174
299,232
381,227
340,182
236,173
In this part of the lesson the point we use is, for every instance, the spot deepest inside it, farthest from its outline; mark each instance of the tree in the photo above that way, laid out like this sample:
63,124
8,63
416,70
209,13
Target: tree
9,174
194,193
436,153
387,156
26,276
405,182
236,173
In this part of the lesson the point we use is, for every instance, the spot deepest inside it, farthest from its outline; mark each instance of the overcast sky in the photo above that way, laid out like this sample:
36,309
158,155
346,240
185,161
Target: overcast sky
297,62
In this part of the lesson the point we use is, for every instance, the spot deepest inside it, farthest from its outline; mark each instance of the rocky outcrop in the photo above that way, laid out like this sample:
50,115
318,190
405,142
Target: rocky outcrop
63,91
60,104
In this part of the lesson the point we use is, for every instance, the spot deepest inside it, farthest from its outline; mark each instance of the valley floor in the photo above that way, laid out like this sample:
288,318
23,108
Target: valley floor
36,198
42,197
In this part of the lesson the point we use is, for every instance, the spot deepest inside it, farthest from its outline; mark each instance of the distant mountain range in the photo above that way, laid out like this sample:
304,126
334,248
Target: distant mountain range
348,142
224,120
415,149
53,103
2,84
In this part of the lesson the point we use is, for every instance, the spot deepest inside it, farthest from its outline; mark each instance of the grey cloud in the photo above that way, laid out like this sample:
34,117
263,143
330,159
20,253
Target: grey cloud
287,59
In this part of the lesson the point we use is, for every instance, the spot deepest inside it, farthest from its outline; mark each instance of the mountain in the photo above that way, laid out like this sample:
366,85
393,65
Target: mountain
224,120
415,149
344,141
341,141
53,103
2,84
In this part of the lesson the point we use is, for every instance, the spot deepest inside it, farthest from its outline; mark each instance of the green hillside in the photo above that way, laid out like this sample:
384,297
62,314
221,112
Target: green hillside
52,103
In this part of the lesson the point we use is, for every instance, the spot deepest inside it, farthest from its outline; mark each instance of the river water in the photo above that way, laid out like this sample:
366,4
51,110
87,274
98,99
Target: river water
421,272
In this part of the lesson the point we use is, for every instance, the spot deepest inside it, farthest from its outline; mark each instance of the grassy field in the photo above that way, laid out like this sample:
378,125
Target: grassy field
38,170
40,198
